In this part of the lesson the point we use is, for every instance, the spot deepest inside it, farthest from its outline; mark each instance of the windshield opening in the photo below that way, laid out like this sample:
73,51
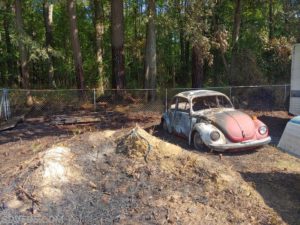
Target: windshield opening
209,102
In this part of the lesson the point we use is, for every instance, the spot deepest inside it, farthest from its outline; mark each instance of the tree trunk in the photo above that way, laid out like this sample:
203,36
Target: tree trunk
117,39
150,56
286,10
187,57
224,62
173,75
137,51
71,4
235,37
236,24
48,21
197,68
9,61
184,46
187,42
215,28
184,54
22,49
99,32
271,20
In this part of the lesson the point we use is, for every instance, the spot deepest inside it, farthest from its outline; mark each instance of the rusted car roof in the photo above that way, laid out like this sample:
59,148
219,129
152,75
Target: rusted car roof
198,93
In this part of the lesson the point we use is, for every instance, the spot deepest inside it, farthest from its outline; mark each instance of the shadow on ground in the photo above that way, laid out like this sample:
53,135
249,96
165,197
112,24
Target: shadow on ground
276,125
158,132
281,191
30,130
39,127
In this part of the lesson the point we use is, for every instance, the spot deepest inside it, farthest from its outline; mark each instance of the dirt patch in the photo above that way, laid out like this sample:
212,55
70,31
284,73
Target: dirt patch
273,173
20,146
136,184
129,178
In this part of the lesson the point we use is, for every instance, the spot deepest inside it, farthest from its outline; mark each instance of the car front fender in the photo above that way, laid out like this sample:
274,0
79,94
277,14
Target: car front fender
204,130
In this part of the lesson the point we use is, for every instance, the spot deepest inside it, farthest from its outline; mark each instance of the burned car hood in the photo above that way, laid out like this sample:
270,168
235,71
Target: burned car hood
235,125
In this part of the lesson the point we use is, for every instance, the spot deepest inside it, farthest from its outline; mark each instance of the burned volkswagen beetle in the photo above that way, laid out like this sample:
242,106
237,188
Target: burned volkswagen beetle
208,120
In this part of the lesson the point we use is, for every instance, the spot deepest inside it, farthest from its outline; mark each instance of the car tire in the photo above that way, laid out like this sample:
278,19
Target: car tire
198,143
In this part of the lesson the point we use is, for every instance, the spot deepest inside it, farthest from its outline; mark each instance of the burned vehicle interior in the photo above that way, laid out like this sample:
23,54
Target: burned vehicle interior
201,103
210,102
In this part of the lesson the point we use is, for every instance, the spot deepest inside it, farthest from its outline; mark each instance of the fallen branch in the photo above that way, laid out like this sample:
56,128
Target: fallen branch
74,120
29,196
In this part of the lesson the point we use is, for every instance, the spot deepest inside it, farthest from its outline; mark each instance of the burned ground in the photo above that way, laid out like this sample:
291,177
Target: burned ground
274,174
113,177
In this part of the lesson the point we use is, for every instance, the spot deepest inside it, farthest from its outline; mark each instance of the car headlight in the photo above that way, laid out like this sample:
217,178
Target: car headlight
214,135
263,130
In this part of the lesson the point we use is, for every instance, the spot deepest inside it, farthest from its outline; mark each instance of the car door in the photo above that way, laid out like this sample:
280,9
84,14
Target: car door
171,111
181,122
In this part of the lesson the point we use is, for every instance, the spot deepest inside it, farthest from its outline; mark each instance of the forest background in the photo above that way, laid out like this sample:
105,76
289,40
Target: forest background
46,44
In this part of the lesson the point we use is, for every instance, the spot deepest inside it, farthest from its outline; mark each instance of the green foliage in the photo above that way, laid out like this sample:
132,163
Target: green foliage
180,24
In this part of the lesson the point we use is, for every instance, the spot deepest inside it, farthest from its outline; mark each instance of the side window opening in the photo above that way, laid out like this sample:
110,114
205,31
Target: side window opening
183,105
173,104
208,102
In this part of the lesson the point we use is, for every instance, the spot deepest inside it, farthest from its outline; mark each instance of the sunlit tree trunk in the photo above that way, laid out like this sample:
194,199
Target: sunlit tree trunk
215,28
117,39
236,24
137,52
184,44
48,21
99,31
71,4
197,67
22,49
150,56
235,37
9,61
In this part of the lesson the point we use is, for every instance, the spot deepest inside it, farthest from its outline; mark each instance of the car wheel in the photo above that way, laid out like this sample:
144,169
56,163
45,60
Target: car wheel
198,143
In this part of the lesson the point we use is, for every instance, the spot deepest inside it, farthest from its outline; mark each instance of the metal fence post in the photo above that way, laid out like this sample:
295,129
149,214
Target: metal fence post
4,104
230,95
284,93
94,99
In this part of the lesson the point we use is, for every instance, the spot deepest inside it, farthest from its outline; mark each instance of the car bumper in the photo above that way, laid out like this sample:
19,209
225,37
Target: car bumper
240,145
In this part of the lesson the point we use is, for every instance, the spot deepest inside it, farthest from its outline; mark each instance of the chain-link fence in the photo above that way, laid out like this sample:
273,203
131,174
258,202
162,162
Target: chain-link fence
257,98
47,102
34,103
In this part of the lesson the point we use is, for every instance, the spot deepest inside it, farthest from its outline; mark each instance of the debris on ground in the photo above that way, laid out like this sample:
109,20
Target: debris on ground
11,123
121,177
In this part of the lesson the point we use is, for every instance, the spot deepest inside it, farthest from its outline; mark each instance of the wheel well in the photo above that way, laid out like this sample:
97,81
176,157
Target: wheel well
205,147
192,136
162,120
